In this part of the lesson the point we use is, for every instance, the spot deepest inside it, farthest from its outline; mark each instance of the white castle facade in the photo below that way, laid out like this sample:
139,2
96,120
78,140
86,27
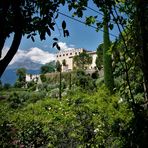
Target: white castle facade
35,78
68,57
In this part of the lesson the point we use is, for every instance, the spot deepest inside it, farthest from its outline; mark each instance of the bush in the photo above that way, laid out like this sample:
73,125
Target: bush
78,120
99,82
43,78
18,99
6,86
31,85
32,134
8,135
15,100
52,86
19,84
35,96
83,80
54,93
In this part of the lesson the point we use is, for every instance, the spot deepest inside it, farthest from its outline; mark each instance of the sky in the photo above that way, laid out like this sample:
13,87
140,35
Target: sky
81,36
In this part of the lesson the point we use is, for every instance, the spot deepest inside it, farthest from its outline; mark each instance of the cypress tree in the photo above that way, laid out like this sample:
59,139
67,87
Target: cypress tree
107,61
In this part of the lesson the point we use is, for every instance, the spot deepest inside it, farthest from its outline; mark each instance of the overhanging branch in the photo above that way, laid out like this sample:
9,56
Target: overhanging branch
12,51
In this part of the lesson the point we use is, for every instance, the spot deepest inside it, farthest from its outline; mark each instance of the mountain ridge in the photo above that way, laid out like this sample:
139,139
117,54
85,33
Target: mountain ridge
9,76
26,63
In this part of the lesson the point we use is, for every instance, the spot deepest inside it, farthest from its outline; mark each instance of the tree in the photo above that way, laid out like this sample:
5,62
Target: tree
64,65
21,73
129,63
59,69
64,62
133,16
107,61
48,68
26,17
99,59
58,66
141,37
82,61
1,85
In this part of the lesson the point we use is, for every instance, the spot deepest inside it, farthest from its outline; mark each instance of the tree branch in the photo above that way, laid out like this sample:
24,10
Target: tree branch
2,42
126,68
5,5
12,51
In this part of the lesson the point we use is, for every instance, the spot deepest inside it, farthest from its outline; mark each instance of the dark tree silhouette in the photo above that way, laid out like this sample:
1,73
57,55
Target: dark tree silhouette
25,17
99,59
59,69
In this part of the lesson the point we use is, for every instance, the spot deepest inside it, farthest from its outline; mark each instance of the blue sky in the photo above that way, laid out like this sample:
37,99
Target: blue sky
81,36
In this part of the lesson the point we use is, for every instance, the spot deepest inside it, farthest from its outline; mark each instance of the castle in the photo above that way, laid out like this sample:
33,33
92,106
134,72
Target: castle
68,55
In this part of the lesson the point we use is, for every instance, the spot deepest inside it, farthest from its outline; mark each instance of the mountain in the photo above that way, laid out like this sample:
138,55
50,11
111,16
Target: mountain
10,76
25,63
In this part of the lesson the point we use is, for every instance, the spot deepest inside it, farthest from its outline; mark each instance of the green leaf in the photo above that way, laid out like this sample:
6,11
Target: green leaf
34,34
90,20
57,16
79,13
99,25
69,7
58,47
32,38
66,33
111,26
63,2
64,25
55,39
54,44
28,36
51,26
49,32
42,35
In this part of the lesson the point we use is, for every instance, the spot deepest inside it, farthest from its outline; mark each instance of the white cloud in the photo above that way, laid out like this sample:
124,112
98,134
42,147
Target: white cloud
35,54
4,52
64,46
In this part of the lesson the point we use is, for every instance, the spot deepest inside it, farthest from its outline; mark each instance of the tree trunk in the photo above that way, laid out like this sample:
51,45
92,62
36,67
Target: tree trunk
107,61
2,42
16,28
69,80
142,17
12,51
60,86
5,7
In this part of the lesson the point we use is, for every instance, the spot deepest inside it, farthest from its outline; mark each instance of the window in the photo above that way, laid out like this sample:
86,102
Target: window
57,56
70,53
67,54
63,54
75,53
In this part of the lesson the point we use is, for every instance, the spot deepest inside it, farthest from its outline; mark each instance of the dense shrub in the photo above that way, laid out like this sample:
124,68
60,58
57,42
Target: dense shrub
99,82
78,120
6,86
17,99
83,80
8,136
43,78
54,93
32,134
